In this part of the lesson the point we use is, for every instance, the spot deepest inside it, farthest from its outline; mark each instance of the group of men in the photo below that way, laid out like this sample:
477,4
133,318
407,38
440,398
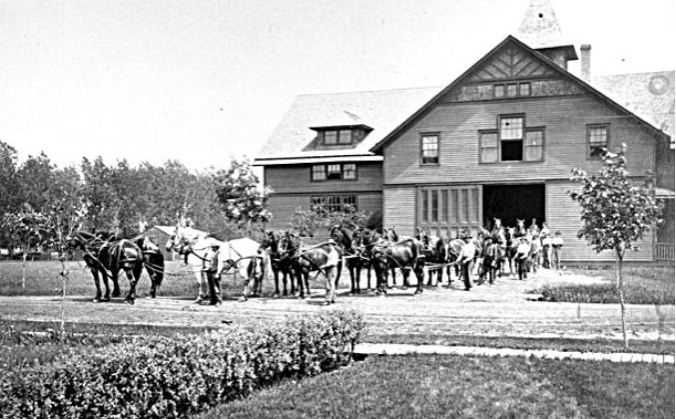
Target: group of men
535,248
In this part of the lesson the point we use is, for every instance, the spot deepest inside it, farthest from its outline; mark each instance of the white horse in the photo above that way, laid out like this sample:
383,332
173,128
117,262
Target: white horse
196,250
243,256
246,258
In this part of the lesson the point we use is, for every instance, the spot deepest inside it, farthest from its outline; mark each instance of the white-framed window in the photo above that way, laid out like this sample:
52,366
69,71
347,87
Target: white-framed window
598,137
534,145
429,149
333,171
488,147
511,138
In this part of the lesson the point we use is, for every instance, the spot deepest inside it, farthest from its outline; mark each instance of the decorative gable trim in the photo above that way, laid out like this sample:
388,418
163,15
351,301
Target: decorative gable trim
510,63
542,60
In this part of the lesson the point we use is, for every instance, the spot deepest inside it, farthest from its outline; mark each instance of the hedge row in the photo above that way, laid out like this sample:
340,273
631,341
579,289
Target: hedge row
174,376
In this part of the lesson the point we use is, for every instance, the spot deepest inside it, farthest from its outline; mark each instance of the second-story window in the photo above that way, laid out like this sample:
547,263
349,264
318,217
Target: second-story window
511,138
597,139
333,171
429,149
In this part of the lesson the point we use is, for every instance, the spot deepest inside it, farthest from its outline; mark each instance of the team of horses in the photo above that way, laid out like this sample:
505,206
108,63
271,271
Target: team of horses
491,253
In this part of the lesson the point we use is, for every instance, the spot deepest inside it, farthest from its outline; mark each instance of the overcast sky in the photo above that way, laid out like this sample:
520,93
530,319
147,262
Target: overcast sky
203,80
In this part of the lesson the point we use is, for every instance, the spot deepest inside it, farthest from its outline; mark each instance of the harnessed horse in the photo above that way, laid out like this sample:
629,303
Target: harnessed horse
324,258
280,262
352,248
196,250
108,258
436,252
407,255
246,258
153,260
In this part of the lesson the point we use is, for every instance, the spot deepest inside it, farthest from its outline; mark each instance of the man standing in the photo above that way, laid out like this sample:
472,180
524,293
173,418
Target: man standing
465,259
557,246
213,276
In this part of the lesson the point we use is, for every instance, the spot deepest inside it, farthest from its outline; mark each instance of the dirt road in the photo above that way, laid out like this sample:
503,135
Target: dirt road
503,309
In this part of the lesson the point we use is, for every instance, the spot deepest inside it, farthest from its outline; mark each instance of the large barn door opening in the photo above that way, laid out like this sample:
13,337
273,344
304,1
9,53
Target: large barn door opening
447,210
509,202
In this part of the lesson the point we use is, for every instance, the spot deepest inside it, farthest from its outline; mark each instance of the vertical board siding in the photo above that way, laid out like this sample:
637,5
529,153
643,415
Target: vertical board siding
565,146
563,214
445,211
399,209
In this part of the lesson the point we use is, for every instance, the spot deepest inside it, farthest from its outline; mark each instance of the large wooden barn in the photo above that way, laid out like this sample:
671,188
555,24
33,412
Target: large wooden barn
499,141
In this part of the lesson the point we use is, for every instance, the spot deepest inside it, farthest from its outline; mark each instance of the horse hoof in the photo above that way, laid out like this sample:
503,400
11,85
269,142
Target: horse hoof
116,294
96,300
104,299
129,301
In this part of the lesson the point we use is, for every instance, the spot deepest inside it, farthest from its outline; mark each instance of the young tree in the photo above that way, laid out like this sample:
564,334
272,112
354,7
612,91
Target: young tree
240,195
28,229
615,211
8,179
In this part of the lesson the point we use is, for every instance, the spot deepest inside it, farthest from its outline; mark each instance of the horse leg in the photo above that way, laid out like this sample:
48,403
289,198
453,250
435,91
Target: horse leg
418,271
131,295
95,274
104,277
275,273
116,284
200,279
358,275
245,290
331,277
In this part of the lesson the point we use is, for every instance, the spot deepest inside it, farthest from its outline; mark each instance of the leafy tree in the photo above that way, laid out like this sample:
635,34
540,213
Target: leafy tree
98,197
28,229
35,177
8,182
615,211
240,195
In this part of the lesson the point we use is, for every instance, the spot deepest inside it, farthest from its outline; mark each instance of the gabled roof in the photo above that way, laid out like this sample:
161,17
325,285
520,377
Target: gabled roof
648,95
537,55
381,110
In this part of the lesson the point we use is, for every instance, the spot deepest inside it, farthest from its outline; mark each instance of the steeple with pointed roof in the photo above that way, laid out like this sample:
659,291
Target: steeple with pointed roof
540,30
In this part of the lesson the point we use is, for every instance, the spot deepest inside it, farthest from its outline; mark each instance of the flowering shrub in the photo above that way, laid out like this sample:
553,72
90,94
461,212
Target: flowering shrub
174,376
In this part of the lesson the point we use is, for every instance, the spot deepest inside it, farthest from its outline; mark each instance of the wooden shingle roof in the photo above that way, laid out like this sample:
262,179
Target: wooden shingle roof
381,110
648,95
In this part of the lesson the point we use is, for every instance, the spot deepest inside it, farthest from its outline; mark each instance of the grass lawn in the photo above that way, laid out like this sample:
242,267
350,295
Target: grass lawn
557,344
431,386
42,278
641,286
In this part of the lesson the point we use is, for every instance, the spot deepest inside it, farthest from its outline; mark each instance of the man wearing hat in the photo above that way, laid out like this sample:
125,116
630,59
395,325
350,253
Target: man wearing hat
465,259
491,258
213,276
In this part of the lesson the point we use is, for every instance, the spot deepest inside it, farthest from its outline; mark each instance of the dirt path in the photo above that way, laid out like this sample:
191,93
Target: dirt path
503,309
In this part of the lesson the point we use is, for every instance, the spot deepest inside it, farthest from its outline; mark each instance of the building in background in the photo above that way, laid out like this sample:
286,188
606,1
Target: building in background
498,142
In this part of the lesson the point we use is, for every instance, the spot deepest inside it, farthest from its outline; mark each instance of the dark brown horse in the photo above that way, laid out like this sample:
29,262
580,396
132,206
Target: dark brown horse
280,259
350,242
153,260
107,258
407,255
324,258
436,253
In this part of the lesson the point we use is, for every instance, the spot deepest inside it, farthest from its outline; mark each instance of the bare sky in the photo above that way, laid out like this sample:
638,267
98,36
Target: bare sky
203,80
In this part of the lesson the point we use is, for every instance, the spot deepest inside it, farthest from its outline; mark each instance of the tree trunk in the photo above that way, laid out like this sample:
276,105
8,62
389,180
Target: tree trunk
24,259
620,287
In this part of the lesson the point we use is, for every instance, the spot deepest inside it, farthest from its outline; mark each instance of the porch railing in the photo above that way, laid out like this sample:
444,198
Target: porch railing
664,251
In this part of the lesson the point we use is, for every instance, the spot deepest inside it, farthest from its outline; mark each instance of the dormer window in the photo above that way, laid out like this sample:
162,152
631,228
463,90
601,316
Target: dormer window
345,135
337,136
